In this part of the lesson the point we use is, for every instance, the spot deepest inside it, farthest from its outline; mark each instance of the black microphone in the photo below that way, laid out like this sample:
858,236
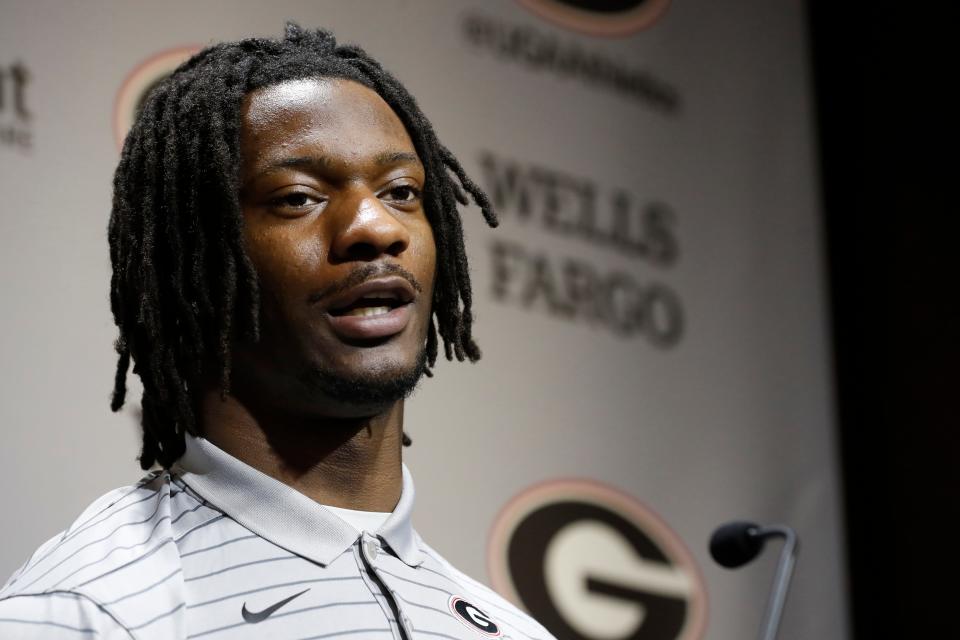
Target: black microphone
736,543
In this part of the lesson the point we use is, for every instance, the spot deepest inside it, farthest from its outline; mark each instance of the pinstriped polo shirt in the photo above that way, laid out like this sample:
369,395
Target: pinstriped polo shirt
215,549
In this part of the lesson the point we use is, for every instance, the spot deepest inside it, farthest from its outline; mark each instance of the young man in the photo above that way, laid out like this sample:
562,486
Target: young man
287,256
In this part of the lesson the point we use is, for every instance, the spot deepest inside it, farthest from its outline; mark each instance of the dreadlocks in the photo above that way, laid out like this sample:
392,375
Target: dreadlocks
183,290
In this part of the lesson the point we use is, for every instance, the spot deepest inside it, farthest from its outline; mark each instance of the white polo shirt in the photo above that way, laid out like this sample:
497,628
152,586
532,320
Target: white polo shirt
215,549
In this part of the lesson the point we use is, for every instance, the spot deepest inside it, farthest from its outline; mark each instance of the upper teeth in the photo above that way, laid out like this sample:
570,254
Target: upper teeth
368,311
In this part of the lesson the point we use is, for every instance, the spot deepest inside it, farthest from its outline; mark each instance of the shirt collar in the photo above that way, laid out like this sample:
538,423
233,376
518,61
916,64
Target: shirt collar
283,515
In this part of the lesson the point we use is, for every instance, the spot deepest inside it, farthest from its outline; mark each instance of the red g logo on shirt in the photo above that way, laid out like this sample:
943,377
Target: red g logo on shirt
473,617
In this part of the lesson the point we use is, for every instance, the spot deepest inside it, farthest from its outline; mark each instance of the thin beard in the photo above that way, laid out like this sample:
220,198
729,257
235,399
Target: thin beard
367,388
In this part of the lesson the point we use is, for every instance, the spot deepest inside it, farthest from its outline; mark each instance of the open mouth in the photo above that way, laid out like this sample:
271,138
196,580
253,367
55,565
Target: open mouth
373,310
369,306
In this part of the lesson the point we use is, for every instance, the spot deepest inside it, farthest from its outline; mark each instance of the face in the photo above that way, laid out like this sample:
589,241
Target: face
334,224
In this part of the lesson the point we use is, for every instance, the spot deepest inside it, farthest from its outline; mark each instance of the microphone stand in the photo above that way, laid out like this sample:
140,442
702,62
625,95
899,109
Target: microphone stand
781,580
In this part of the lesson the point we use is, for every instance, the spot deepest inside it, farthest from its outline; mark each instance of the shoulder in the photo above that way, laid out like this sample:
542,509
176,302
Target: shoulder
58,614
121,545
120,526
483,597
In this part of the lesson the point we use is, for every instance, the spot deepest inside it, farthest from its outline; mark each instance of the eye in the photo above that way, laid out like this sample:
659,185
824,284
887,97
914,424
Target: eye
294,202
403,193
295,199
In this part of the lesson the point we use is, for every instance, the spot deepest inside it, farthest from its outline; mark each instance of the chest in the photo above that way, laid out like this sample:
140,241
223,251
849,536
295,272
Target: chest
245,587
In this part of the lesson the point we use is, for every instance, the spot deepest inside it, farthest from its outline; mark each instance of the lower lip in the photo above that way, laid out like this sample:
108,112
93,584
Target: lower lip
371,327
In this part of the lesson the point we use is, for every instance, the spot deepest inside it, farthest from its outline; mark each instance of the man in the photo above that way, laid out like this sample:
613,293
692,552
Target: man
287,255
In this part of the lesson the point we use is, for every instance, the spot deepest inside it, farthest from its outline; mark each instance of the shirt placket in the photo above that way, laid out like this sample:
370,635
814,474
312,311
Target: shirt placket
370,556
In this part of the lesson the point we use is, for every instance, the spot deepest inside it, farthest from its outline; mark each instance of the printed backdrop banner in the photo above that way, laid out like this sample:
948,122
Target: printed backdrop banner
651,309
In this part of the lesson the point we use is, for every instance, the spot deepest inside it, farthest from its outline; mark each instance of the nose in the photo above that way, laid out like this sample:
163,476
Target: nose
366,229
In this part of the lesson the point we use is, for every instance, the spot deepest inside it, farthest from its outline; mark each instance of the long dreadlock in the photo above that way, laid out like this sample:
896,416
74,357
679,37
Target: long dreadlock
183,290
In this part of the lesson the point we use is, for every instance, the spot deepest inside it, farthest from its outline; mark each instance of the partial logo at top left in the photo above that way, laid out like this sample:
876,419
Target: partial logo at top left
140,81
16,117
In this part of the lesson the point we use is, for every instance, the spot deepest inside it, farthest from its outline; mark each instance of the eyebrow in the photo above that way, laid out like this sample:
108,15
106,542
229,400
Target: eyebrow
325,162
396,157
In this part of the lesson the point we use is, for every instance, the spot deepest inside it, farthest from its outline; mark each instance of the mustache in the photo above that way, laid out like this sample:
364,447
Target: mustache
362,274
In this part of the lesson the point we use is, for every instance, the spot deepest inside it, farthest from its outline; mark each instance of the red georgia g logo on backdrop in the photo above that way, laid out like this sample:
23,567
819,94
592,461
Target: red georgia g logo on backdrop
138,83
609,18
590,562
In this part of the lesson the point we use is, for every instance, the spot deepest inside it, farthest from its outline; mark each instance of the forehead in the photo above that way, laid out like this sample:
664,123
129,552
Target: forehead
342,119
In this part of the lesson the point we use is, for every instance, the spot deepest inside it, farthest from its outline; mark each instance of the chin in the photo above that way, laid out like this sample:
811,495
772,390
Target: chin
369,386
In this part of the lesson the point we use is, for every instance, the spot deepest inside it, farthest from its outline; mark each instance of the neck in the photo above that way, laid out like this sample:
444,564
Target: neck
354,463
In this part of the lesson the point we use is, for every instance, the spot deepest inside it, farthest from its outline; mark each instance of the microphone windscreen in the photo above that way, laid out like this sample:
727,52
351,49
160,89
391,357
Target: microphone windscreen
735,544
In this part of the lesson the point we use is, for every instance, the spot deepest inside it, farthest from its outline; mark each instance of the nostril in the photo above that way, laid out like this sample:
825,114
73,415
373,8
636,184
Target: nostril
363,251
396,248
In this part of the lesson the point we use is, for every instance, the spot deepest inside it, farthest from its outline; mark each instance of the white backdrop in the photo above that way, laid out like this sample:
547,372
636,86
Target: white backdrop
706,145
